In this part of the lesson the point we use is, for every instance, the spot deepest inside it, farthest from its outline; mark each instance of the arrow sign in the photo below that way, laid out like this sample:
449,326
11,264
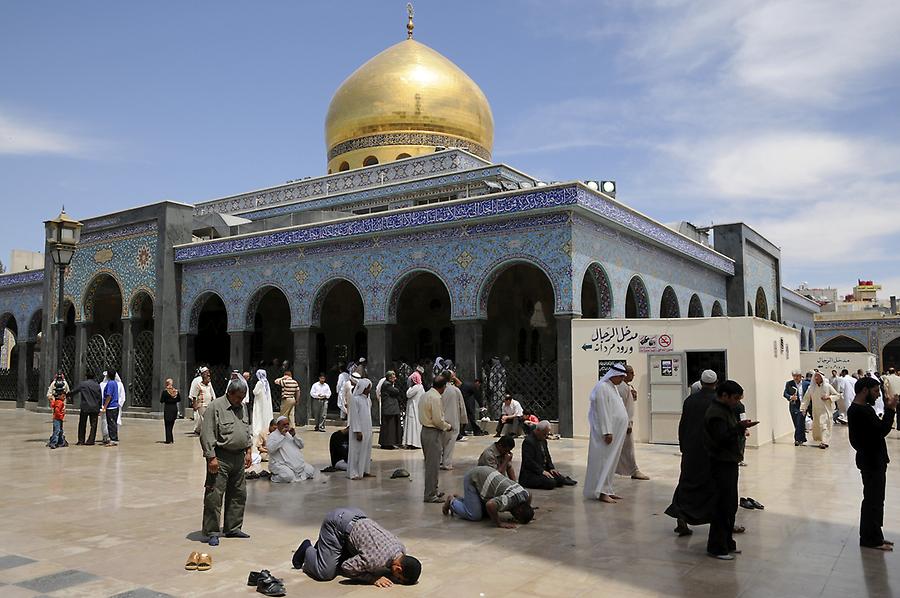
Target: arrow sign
587,346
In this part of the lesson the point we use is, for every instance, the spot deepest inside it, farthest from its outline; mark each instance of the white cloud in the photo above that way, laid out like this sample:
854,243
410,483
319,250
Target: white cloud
19,137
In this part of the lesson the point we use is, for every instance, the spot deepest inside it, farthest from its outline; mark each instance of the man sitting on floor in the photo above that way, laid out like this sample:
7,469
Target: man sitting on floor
486,489
355,546
537,469
286,461
339,447
511,417
499,456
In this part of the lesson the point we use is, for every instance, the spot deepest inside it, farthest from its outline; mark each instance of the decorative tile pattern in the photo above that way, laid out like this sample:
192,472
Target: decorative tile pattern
641,300
375,268
465,259
21,303
598,276
408,138
21,278
760,272
872,334
132,265
441,162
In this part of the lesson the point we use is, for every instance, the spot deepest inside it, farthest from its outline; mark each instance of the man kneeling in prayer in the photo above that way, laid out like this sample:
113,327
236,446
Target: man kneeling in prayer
486,489
339,447
537,470
286,461
357,547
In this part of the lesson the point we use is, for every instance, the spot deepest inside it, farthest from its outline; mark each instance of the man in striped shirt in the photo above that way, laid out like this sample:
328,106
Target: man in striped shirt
290,390
486,489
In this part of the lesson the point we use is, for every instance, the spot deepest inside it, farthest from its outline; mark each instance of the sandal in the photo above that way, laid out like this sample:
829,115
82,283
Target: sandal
204,562
191,564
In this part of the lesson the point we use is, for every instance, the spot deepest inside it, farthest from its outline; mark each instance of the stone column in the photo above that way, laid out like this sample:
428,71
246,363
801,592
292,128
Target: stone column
468,358
240,350
22,383
186,366
80,346
564,373
127,359
378,359
51,346
305,369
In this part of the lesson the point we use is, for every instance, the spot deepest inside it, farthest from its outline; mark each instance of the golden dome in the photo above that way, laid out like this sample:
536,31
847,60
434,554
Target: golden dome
406,101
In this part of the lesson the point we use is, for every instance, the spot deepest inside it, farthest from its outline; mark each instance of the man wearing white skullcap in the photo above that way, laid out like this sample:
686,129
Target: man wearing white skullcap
609,423
286,462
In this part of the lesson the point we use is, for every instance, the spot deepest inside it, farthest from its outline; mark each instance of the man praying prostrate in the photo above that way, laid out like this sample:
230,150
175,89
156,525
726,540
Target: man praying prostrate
608,422
489,491
357,547
285,448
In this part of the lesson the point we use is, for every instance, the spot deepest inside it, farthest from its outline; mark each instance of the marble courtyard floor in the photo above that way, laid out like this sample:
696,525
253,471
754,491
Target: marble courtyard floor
95,521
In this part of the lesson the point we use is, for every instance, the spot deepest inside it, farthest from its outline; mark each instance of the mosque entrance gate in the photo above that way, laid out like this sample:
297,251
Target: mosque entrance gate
142,375
102,353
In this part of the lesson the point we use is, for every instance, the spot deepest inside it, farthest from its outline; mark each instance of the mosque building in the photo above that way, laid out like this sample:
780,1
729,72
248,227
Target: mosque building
414,245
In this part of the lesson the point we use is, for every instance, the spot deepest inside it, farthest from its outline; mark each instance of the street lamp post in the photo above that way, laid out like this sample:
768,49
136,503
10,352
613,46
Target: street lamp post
63,234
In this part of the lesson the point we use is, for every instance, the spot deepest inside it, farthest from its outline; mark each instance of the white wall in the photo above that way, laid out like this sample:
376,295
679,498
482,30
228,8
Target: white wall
755,357
825,361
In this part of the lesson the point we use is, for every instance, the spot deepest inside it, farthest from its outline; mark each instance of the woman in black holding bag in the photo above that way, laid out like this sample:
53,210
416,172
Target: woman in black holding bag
170,399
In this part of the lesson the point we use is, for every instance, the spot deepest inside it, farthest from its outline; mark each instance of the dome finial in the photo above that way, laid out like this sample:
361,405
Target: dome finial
409,22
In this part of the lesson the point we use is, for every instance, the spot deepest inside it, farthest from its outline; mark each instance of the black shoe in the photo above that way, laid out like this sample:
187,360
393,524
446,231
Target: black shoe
237,534
265,474
254,577
269,586
746,503
300,554
567,481
756,504
329,469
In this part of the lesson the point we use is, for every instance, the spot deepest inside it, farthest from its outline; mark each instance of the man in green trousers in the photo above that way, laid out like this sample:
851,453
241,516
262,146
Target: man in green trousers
225,440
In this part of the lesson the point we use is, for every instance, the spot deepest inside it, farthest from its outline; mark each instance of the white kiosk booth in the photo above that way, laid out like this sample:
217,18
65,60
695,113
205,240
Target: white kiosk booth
669,355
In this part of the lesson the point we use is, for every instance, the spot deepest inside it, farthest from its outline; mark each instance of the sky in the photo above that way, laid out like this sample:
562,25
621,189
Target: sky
779,113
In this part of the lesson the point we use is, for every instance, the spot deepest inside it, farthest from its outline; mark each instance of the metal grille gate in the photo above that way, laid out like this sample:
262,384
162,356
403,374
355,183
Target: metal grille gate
101,354
142,382
534,385
9,381
68,358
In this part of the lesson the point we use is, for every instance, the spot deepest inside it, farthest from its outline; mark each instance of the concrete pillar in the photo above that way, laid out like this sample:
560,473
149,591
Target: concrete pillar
305,369
185,367
240,350
469,354
51,346
22,375
127,359
378,358
564,373
80,346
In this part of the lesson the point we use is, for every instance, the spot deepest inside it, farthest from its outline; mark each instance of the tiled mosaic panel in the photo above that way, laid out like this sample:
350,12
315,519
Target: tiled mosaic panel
466,258
21,302
760,273
128,254
623,257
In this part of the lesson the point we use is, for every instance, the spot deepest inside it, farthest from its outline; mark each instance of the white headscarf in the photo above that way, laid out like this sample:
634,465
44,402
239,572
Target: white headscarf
261,377
617,369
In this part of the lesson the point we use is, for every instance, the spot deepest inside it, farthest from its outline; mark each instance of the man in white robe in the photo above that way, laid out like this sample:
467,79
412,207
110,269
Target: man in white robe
627,462
847,387
343,391
455,414
822,396
285,448
608,423
359,416
412,427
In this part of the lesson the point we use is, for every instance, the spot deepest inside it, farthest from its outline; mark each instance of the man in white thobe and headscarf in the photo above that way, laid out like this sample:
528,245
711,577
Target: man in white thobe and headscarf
609,423
455,414
285,448
627,462
359,416
822,396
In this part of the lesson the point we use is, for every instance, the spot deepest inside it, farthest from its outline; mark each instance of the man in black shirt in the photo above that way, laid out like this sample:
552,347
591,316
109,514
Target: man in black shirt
471,393
867,434
722,437
88,391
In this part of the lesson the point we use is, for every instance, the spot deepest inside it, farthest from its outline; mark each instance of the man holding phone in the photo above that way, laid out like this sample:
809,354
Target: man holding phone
722,437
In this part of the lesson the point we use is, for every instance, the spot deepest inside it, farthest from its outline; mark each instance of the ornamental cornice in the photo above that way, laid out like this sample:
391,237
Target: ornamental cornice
21,278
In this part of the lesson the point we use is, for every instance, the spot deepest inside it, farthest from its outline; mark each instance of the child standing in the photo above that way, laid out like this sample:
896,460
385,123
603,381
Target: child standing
58,404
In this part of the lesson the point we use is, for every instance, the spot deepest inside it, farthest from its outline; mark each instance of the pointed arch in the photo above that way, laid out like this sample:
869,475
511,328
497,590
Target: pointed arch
197,306
762,305
315,306
258,295
499,267
695,307
843,344
637,301
668,305
402,281
596,292
717,311
105,279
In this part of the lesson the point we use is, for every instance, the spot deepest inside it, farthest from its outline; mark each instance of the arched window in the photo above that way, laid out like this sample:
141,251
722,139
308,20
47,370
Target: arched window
344,166
668,307
403,155
370,161
717,310
695,308
762,305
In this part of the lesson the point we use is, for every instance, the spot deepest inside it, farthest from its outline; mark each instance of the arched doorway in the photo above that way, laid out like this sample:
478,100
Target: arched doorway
212,345
269,317
520,340
717,311
668,306
9,357
338,309
890,355
423,331
142,325
596,293
803,345
843,344
637,303
762,306
695,307
103,321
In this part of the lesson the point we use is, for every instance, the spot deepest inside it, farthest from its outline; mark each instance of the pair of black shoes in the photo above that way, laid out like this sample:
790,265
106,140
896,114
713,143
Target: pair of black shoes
266,584
750,503
567,481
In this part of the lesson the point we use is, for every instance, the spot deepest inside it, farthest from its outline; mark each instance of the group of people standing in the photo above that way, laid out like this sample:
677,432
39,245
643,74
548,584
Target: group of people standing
101,402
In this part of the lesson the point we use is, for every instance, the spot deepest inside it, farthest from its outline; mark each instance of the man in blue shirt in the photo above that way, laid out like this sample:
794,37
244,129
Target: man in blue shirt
111,406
